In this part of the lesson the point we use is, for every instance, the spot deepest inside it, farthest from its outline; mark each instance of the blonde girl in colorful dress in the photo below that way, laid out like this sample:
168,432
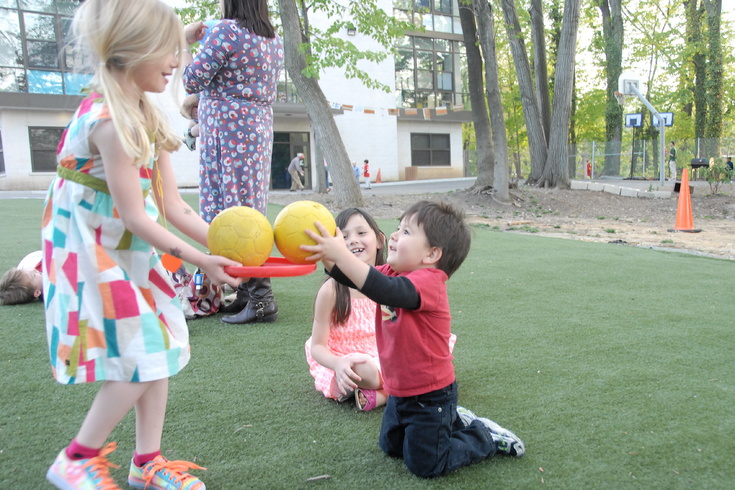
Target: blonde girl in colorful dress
342,352
111,311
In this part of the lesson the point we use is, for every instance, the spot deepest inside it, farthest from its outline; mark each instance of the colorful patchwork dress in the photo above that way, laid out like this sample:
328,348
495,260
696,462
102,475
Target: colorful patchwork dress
236,74
111,310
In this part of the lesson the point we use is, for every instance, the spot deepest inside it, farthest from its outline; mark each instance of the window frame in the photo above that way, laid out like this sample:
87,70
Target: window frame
36,152
438,154
36,76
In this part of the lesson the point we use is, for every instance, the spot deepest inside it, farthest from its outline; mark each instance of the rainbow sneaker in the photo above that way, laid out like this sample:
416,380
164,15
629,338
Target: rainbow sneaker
162,474
83,474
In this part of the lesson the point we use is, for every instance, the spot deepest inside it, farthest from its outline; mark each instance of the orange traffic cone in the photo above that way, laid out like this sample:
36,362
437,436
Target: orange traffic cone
684,219
378,180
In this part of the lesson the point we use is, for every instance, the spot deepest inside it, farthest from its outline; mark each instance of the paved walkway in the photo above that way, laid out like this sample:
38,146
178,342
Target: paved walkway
445,185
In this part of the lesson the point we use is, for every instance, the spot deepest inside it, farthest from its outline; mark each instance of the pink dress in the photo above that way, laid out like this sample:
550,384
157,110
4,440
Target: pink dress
357,335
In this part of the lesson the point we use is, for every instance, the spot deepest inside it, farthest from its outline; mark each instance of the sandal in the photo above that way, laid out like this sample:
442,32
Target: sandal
370,397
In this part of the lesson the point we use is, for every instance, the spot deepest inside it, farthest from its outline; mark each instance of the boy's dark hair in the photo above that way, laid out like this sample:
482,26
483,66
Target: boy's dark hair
445,229
15,288
342,303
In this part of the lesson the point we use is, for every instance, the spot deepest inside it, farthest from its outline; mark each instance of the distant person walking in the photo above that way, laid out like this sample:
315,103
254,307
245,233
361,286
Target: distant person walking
294,170
672,161
356,171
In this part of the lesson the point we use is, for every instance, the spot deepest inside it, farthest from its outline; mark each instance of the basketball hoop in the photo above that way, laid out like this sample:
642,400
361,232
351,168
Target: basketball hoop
621,98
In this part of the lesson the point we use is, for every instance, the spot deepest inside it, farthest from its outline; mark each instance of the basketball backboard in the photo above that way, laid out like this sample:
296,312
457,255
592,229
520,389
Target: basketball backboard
628,79
668,119
634,120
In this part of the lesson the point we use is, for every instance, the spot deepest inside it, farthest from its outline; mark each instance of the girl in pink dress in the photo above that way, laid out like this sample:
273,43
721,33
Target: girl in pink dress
341,352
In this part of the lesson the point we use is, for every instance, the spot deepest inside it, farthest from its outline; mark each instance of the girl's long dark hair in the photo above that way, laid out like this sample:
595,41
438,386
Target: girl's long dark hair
251,15
342,304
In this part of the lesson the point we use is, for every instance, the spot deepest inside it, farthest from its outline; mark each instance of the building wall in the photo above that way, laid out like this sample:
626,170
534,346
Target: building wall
407,172
14,126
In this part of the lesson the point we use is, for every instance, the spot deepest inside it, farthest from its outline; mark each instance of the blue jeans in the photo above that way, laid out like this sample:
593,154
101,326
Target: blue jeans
428,434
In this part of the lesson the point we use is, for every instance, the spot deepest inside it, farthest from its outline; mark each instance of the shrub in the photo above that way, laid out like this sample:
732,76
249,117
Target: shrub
716,174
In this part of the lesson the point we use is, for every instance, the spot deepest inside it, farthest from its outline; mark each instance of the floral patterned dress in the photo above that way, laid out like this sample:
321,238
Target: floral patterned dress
111,311
236,75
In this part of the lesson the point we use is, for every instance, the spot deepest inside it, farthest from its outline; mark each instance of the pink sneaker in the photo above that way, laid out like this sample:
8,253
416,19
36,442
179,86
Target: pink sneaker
162,474
83,474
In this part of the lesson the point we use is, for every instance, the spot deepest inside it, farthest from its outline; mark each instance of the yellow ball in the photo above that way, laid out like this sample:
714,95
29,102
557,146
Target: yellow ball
289,226
243,234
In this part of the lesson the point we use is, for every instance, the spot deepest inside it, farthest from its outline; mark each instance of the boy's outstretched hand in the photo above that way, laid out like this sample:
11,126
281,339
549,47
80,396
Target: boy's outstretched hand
329,249
332,250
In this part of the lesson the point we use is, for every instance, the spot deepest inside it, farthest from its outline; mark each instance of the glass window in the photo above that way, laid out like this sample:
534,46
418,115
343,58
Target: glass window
39,44
444,6
38,5
11,48
74,83
442,23
445,81
430,150
425,60
39,27
426,43
67,7
42,54
43,148
427,20
423,4
13,80
403,4
45,82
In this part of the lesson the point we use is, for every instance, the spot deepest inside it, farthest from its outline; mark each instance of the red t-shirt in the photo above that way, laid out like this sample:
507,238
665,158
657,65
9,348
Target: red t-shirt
365,170
413,345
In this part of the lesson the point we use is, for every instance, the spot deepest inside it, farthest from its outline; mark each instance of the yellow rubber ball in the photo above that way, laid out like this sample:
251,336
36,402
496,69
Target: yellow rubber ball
291,223
242,234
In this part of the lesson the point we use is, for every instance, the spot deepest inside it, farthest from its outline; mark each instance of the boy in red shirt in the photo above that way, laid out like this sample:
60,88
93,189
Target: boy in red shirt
421,422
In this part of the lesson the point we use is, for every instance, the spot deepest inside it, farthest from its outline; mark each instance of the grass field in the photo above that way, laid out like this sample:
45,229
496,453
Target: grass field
614,365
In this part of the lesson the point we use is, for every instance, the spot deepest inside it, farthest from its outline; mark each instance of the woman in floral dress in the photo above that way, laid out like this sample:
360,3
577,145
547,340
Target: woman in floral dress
235,74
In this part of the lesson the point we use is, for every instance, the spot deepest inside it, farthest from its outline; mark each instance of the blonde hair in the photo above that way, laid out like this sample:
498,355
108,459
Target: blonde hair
120,35
16,288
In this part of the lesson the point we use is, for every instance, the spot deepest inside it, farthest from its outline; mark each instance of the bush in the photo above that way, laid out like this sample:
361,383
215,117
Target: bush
716,174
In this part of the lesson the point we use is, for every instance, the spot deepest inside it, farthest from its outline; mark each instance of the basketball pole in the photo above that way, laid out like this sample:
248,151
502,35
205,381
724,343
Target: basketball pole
661,132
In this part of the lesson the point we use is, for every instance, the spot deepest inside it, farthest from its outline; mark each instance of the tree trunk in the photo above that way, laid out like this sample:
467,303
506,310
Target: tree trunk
480,119
695,16
540,64
486,23
556,171
612,31
326,133
713,129
534,129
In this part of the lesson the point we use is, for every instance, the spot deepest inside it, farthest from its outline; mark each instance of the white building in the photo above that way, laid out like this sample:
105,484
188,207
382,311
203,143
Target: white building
412,133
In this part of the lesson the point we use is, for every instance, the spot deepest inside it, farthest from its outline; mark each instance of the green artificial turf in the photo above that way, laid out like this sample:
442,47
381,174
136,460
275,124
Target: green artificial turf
614,364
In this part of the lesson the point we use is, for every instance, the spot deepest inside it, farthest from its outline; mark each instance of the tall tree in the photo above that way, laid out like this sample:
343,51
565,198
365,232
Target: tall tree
534,128
556,170
484,15
714,83
540,65
480,118
612,31
326,132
